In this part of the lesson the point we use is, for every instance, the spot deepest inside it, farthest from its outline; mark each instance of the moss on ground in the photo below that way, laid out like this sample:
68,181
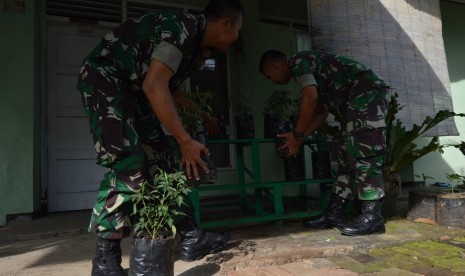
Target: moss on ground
460,239
351,264
426,254
425,257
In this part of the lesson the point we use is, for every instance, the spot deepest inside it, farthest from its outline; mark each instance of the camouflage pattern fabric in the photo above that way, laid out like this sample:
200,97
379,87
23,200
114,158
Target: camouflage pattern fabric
357,98
128,137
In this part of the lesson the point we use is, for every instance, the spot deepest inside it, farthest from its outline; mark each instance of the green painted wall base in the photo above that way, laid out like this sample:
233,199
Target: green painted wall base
19,115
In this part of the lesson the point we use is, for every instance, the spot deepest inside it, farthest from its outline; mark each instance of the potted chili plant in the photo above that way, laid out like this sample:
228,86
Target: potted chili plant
154,209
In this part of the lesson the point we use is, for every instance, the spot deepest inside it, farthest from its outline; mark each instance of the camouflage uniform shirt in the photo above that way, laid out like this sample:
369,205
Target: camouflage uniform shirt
125,53
356,96
333,75
112,76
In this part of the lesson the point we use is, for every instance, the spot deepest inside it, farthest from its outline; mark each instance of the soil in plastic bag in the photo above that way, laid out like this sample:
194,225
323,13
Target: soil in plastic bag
152,257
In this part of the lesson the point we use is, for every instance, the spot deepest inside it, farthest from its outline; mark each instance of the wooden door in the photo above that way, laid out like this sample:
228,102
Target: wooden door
72,176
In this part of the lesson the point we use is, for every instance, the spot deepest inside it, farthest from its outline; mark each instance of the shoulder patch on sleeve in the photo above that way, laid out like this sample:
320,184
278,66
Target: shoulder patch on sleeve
306,80
168,54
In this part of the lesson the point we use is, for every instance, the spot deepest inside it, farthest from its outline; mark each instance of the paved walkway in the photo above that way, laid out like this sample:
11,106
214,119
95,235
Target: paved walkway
57,244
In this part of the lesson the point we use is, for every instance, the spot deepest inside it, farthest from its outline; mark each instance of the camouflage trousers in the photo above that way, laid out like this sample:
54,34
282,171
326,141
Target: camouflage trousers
363,146
129,141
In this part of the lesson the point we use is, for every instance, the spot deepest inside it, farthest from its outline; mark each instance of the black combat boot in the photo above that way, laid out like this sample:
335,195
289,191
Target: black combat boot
369,222
196,243
333,216
107,260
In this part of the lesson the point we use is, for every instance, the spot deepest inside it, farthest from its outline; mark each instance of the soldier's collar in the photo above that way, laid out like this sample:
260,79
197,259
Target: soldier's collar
201,25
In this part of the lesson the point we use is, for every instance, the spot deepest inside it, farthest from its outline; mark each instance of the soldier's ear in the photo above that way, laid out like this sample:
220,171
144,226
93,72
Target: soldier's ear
275,65
226,23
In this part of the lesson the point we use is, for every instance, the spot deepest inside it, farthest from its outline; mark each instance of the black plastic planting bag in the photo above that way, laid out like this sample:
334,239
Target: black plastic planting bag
281,127
205,178
294,167
244,126
321,164
269,126
152,257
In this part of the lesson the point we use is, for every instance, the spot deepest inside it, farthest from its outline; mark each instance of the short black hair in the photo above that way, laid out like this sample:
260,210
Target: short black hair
217,9
271,56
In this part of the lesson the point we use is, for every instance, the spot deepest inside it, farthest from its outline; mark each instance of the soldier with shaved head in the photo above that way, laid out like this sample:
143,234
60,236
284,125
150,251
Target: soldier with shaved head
127,85
357,97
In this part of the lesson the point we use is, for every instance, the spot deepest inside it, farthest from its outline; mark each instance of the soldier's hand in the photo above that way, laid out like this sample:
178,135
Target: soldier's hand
191,159
293,146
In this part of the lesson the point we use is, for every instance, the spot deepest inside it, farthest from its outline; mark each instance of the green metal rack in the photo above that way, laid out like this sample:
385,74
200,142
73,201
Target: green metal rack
261,189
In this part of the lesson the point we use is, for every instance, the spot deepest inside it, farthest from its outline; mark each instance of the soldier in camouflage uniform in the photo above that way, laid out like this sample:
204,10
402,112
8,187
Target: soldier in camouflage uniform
127,85
357,98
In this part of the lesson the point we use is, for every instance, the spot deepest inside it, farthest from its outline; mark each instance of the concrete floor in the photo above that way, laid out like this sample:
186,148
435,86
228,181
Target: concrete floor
58,244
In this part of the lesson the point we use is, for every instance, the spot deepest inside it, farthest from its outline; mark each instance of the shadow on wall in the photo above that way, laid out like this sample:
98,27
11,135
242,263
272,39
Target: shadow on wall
401,40
454,39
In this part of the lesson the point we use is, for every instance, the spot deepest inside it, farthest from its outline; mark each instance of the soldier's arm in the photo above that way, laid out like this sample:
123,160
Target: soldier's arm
308,107
156,88
319,117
